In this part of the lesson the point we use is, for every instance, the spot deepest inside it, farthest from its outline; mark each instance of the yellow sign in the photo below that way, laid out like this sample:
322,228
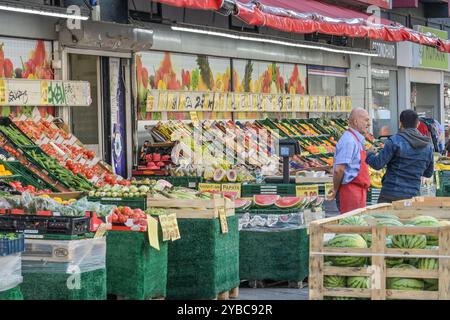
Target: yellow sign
223,220
150,102
44,92
174,231
307,190
334,103
208,102
172,101
348,104
438,182
327,104
232,188
162,102
329,187
165,227
182,102
152,231
209,187
2,92
102,228
194,116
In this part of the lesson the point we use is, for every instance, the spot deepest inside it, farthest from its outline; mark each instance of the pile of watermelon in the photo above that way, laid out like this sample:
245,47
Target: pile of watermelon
264,201
397,241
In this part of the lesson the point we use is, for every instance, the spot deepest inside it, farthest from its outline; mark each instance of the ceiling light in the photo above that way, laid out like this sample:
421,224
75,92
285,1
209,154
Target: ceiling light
271,41
43,13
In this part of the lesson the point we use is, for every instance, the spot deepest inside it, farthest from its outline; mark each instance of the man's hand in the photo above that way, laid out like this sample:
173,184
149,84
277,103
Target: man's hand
331,195
373,150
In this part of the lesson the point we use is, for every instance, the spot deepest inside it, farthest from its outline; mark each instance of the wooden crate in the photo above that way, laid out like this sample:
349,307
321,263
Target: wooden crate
378,272
196,209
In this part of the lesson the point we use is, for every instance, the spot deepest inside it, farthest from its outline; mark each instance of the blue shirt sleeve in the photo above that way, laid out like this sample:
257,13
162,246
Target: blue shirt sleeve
345,151
379,161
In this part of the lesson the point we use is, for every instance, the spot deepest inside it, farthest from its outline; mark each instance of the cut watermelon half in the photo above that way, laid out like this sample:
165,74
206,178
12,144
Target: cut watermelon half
265,200
242,203
288,202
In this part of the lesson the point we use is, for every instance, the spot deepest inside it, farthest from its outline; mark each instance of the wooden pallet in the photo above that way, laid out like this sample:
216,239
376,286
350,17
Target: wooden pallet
378,272
230,294
283,284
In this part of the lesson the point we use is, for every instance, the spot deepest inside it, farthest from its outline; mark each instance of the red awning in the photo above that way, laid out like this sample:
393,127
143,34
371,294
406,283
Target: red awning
311,16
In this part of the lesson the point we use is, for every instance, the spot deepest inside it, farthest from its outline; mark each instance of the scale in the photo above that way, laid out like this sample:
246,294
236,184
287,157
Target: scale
286,148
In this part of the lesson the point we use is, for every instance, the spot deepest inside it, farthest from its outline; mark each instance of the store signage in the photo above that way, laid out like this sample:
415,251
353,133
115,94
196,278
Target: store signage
307,191
428,57
384,50
24,92
166,100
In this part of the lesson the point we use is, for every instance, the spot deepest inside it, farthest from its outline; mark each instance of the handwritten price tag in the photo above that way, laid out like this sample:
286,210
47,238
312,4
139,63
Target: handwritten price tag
210,187
44,92
309,191
2,92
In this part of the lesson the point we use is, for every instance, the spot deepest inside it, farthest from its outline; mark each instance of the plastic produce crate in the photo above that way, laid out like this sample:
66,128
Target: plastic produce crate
8,247
442,183
27,175
33,224
186,181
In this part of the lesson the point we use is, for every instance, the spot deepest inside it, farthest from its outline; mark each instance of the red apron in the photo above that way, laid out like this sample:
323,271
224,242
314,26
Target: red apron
354,194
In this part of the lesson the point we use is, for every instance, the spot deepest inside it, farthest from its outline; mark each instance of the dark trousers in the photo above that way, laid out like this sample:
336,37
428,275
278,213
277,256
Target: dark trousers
389,199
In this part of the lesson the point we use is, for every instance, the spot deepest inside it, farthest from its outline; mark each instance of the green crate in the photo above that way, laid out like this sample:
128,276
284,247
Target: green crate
249,190
133,203
65,237
281,255
205,261
135,270
442,183
27,175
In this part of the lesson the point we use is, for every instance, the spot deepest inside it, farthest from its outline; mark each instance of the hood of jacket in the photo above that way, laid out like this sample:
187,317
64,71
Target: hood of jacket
415,138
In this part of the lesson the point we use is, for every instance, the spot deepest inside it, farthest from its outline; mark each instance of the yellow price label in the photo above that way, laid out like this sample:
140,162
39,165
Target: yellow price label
2,92
223,220
165,226
162,102
44,92
102,228
329,187
307,191
152,231
232,188
150,102
210,187
348,104
194,117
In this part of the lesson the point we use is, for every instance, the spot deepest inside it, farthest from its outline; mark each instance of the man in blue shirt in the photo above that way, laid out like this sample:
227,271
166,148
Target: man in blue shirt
407,156
351,175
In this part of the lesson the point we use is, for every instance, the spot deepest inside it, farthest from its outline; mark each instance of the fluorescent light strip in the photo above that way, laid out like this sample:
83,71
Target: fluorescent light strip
143,30
43,13
271,41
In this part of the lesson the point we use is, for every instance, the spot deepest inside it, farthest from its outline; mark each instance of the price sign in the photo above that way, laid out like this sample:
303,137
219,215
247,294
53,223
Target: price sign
172,101
334,103
44,92
208,101
307,190
210,187
233,189
101,231
181,102
163,220
327,104
342,104
2,91
328,188
348,104
230,102
152,231
256,102
162,101
223,220
174,230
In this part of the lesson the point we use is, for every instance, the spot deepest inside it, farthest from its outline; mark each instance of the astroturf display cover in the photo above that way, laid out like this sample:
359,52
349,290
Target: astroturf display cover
205,261
135,270
11,294
274,255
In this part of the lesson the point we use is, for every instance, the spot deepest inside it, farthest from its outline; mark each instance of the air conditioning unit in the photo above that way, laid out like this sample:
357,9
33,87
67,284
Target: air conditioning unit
97,35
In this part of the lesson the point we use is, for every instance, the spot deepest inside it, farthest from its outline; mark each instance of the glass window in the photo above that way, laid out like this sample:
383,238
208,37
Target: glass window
384,102
327,81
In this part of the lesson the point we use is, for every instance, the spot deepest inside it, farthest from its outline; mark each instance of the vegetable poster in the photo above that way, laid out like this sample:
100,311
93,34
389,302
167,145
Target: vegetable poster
25,59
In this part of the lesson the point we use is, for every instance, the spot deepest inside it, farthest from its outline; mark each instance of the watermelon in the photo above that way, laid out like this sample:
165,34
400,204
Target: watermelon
427,221
288,202
409,241
357,221
265,200
334,282
358,282
429,264
389,223
347,241
404,283
242,204
319,202
382,216
392,262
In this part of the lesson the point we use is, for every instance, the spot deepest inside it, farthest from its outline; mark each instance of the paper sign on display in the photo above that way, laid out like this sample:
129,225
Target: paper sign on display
232,188
163,220
162,101
174,230
329,187
223,220
172,101
307,190
101,231
210,187
152,231
2,92
182,102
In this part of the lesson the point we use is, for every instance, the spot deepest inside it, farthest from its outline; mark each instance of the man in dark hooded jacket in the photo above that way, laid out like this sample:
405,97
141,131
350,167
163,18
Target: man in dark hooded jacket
407,156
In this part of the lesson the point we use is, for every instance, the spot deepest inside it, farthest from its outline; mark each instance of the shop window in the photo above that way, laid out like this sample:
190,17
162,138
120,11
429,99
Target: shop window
384,102
327,81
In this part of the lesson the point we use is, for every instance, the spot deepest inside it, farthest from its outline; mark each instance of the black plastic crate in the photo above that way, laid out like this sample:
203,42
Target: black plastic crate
8,247
133,203
37,225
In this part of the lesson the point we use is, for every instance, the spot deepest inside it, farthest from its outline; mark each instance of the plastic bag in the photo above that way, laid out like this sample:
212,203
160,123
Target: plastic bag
10,272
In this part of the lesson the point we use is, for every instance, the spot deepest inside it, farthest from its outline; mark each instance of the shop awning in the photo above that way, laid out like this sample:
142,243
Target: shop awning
312,16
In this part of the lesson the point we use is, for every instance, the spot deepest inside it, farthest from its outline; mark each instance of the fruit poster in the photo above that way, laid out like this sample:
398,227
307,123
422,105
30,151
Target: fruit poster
173,71
267,77
25,59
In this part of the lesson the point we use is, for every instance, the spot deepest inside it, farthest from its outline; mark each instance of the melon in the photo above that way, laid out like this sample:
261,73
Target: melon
347,241
334,282
242,203
265,200
429,264
219,175
382,216
358,282
409,241
232,175
357,221
404,283
427,221
288,202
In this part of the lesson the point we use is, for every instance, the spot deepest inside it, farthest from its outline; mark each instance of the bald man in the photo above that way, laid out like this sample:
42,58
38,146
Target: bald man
351,175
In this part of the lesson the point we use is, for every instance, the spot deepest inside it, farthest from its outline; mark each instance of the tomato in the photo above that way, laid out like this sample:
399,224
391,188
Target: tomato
115,218
91,154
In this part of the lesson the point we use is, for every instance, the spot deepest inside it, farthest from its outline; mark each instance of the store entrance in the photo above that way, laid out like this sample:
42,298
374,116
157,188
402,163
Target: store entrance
426,100
86,124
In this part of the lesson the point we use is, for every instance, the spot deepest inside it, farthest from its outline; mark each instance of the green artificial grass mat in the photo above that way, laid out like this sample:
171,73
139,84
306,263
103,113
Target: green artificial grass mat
274,255
11,294
135,270
205,261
